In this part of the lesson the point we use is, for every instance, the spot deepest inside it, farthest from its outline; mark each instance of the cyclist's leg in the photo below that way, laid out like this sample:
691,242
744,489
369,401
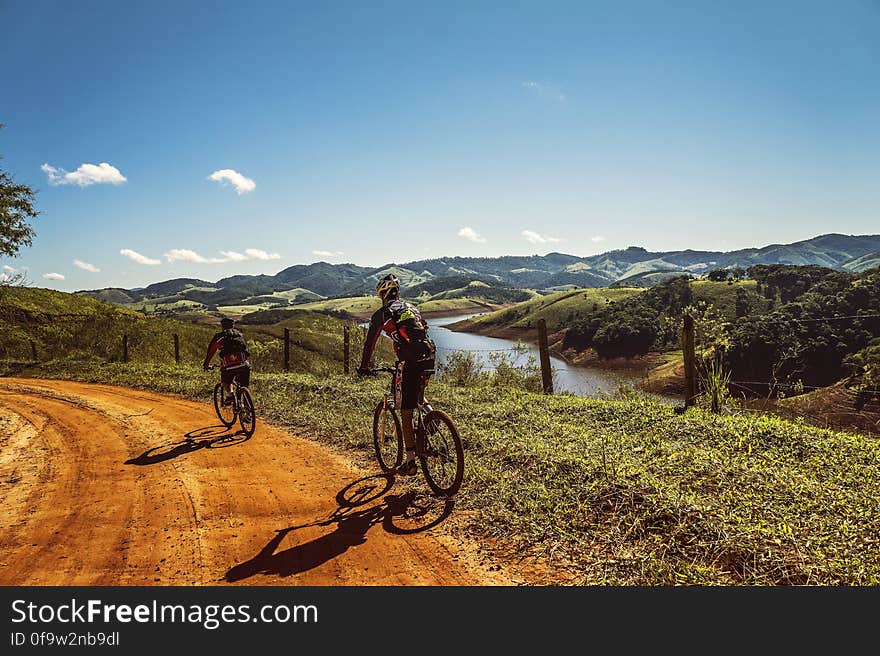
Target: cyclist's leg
244,376
426,369
226,380
410,391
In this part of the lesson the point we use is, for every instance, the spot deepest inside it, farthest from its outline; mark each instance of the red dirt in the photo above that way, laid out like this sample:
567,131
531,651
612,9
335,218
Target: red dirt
105,485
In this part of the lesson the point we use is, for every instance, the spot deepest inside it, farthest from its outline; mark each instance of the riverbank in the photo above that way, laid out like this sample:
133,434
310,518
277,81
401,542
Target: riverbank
475,307
656,373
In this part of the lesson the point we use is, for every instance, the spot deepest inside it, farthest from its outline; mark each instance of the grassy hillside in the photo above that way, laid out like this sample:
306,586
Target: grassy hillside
357,306
561,309
863,263
73,326
557,309
648,279
610,492
361,307
722,295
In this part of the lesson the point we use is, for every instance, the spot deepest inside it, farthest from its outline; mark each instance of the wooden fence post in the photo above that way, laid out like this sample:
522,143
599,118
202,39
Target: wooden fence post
690,361
544,350
287,349
125,347
33,351
176,348
345,348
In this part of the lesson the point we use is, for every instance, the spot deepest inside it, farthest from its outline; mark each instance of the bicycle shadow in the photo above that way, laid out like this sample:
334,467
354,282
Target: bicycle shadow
416,512
208,437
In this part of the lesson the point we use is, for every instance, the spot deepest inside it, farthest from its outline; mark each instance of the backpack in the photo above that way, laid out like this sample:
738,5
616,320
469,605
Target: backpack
420,348
233,342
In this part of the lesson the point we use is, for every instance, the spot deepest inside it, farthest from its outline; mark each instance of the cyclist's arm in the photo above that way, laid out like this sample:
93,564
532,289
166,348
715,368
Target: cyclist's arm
212,349
372,337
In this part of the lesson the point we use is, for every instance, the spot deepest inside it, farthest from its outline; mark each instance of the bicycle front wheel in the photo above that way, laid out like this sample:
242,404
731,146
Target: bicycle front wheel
442,455
387,438
247,415
226,413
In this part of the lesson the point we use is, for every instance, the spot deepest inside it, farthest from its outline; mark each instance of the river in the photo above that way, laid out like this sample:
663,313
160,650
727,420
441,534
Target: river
582,381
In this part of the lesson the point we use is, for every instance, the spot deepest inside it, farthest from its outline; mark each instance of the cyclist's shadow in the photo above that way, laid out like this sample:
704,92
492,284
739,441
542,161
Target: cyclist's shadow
209,437
397,513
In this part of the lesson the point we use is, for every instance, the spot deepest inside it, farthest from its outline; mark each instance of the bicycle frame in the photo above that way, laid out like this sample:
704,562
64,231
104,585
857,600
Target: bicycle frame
438,459
421,411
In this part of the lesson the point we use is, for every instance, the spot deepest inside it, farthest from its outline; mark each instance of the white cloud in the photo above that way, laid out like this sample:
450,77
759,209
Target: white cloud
544,90
328,253
597,238
257,254
242,184
86,266
137,257
8,268
85,175
469,233
187,255
228,256
537,238
53,276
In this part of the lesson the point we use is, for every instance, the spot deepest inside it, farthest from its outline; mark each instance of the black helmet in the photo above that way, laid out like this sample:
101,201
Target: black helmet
388,286
226,322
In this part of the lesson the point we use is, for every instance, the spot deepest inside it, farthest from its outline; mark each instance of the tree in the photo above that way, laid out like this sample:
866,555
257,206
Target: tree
16,207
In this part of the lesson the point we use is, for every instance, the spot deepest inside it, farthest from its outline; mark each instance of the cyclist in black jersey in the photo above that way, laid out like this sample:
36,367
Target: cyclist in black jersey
415,351
234,352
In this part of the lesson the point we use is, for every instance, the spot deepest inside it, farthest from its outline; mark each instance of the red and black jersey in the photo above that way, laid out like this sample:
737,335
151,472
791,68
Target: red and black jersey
232,347
403,323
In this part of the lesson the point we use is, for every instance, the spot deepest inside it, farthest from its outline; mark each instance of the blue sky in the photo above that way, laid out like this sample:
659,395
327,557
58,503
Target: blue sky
372,132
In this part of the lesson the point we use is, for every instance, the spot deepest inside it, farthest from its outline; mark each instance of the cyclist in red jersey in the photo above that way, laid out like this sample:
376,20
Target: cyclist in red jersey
415,351
234,353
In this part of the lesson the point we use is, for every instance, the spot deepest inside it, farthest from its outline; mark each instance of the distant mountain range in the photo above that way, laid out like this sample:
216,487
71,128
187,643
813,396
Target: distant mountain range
633,265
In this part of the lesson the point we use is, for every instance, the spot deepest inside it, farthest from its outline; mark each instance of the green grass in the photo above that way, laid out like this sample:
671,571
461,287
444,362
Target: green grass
720,294
356,305
64,326
618,492
463,305
561,309
558,309
364,306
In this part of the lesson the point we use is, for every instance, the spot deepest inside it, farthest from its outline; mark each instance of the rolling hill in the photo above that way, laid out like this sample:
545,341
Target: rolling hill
49,325
631,267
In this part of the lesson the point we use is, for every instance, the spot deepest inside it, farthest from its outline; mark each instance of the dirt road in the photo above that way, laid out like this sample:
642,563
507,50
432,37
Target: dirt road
103,485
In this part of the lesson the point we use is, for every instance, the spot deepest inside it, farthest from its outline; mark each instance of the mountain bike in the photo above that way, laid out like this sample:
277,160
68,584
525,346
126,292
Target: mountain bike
241,408
438,445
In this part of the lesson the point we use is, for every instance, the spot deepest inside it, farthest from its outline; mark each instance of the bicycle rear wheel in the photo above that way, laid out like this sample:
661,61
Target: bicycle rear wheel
247,415
387,438
226,413
442,455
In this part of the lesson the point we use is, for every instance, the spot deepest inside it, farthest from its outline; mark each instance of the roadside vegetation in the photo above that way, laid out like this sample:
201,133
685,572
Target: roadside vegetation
617,491
53,325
